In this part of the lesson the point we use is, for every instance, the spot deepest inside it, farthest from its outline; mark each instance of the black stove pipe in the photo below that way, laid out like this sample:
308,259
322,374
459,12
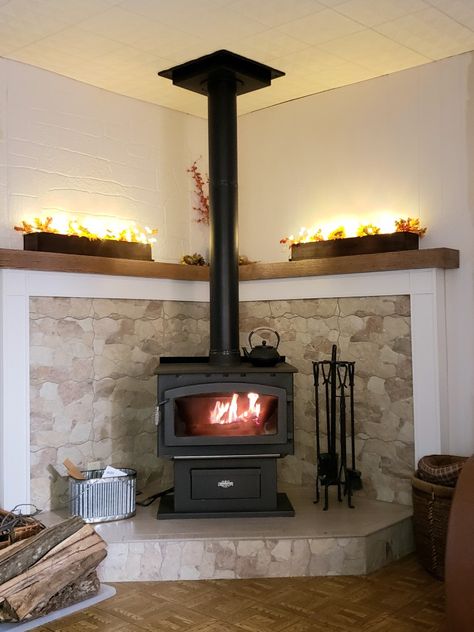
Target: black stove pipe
222,76
224,249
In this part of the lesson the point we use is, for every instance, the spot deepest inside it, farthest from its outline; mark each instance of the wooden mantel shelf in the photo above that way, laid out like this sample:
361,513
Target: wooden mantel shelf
446,258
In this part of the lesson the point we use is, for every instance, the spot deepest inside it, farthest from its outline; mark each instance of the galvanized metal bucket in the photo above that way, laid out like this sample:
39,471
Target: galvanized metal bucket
97,499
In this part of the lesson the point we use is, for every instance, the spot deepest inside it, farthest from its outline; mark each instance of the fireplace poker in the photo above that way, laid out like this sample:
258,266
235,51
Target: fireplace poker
318,441
327,462
353,474
342,371
332,447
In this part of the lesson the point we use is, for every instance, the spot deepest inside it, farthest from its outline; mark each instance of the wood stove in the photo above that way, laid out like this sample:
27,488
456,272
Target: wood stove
224,427
222,420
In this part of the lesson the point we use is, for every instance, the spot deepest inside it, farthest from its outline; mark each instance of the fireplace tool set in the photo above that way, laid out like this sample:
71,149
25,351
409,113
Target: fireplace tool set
334,399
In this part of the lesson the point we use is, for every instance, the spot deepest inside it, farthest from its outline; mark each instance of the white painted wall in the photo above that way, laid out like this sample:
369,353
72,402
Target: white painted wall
3,148
402,143
67,146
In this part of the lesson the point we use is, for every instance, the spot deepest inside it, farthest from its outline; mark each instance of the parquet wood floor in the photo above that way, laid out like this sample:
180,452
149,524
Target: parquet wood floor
401,597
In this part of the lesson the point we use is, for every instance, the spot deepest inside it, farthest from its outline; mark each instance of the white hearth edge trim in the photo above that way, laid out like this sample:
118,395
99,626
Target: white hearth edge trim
426,289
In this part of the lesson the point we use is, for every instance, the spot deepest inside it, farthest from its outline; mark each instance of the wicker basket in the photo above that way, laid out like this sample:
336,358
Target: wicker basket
441,469
14,528
431,506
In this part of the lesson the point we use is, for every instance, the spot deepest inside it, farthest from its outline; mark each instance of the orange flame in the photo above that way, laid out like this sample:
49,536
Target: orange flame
226,412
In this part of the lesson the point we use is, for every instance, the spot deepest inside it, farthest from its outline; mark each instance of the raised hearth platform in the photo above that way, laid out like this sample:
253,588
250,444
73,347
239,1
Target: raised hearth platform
340,541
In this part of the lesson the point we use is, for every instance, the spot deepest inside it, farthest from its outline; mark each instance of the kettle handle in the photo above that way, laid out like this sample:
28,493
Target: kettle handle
264,329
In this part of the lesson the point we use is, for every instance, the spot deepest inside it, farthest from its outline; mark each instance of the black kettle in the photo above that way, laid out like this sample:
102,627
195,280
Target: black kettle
263,355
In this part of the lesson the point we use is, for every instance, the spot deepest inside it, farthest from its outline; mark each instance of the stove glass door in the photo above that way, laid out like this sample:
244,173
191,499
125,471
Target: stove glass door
224,412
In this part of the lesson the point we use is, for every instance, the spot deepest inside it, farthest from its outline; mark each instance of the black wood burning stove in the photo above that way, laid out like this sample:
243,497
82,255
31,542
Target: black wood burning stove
224,427
223,421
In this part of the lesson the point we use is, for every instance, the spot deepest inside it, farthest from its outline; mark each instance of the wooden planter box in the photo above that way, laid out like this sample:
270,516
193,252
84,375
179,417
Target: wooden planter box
72,245
370,244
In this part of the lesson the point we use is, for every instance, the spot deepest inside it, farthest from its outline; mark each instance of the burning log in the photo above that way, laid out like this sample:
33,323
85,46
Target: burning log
51,570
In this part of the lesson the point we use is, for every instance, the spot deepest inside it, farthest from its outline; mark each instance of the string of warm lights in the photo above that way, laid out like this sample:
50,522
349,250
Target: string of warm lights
308,235
92,228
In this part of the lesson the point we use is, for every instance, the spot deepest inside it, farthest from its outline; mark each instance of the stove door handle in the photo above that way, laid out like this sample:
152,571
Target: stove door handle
157,414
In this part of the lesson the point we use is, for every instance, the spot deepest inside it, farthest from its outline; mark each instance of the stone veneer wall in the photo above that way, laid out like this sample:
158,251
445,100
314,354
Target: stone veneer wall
375,333
93,390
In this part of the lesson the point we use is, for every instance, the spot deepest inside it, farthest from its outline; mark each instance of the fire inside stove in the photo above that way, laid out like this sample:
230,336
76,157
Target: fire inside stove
232,414
228,412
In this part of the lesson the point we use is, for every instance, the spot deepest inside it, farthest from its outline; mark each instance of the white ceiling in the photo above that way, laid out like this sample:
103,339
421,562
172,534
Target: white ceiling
120,45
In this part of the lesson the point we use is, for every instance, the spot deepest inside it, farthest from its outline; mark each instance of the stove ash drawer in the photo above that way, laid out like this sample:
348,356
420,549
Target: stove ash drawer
225,483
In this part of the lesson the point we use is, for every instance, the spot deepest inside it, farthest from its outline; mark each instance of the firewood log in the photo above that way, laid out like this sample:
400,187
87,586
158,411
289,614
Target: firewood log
70,562
83,588
20,556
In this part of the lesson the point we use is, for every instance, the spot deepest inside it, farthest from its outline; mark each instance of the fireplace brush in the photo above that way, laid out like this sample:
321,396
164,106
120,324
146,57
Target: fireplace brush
334,394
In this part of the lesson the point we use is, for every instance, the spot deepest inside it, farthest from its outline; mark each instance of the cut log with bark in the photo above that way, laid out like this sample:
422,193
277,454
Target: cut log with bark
51,570
20,556
84,588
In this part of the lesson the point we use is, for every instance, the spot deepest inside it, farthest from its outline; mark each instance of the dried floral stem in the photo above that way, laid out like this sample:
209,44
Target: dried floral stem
201,184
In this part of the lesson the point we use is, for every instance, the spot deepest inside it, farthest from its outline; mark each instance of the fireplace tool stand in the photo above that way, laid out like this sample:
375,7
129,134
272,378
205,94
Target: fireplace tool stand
334,395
